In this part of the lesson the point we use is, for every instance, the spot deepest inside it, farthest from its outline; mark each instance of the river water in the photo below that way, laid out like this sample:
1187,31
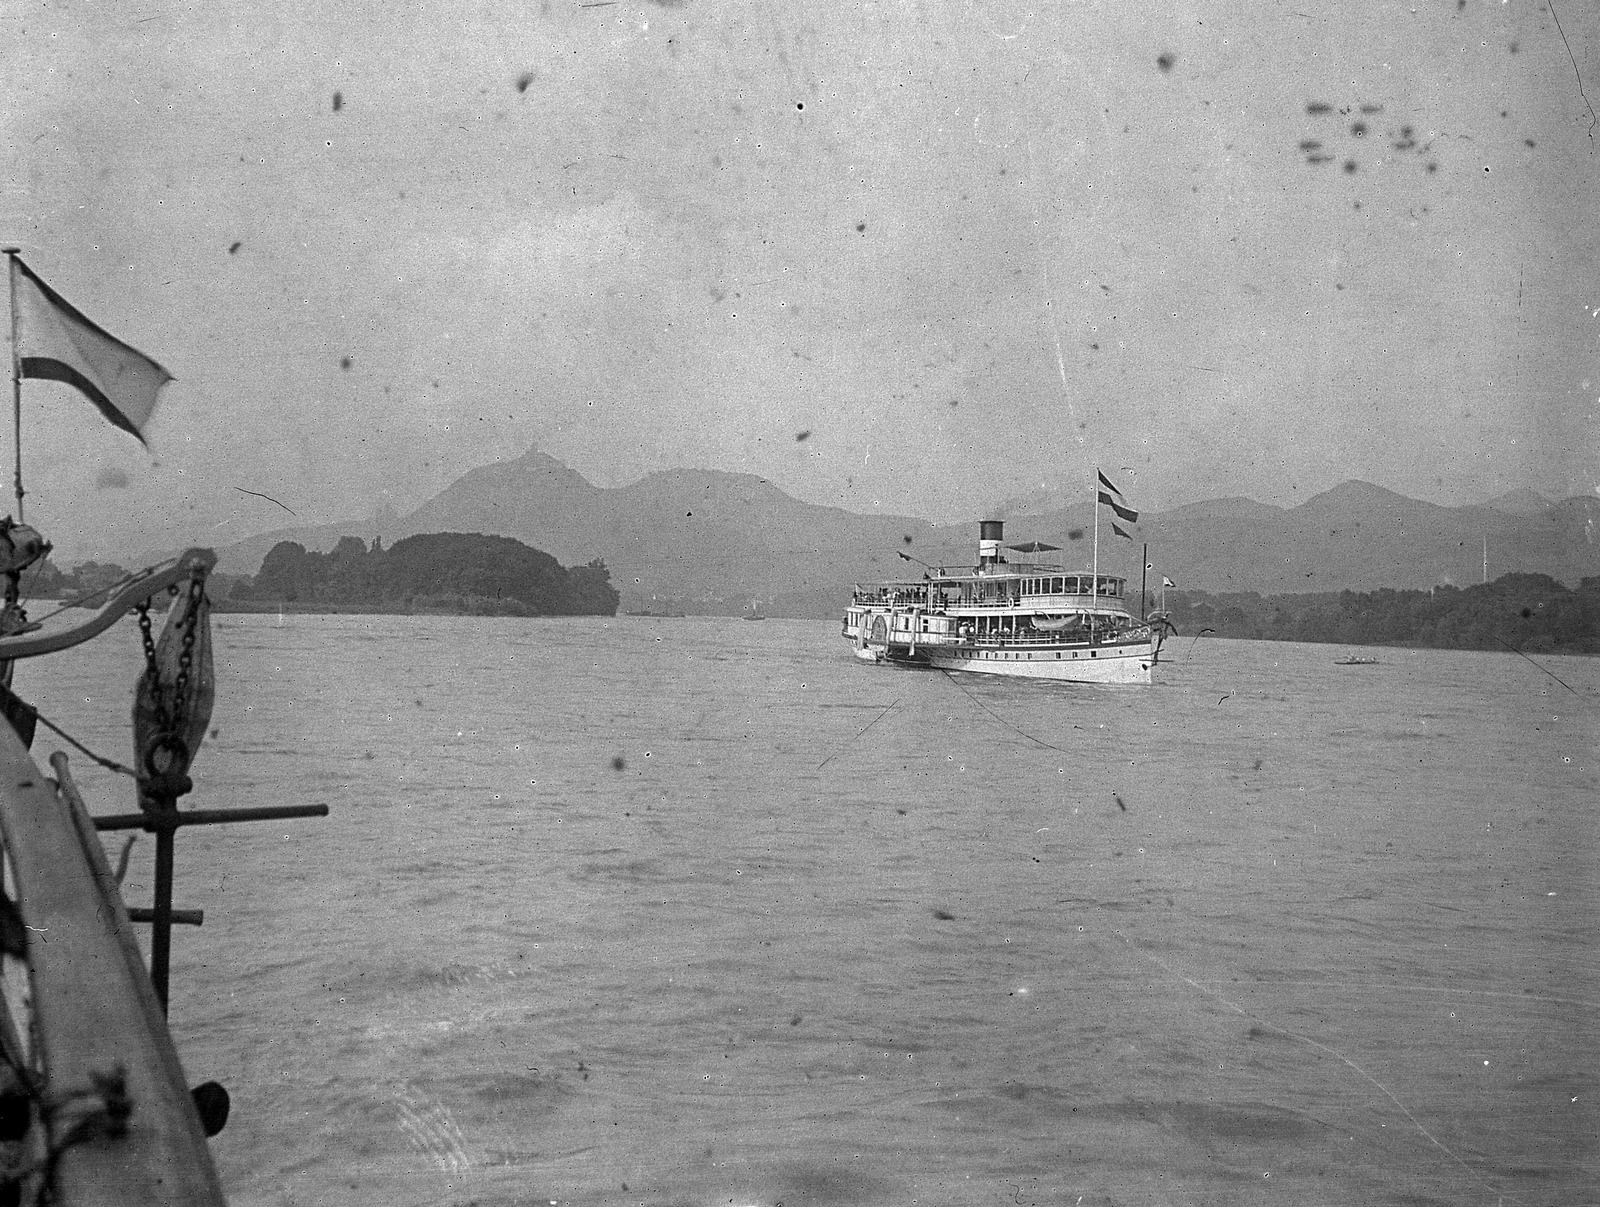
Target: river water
621,911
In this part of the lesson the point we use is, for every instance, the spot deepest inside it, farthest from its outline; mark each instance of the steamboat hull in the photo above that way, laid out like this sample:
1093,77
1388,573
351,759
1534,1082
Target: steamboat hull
1128,662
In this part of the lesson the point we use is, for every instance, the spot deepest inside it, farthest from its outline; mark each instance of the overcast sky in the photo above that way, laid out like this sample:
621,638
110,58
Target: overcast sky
967,250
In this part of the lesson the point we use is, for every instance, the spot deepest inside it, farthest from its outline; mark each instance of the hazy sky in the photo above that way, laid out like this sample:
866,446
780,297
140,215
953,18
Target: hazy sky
973,249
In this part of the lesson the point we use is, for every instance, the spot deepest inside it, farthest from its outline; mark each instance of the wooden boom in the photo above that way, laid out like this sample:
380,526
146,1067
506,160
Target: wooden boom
141,586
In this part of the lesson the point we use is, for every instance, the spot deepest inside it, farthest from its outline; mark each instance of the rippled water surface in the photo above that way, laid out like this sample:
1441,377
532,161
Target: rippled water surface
706,912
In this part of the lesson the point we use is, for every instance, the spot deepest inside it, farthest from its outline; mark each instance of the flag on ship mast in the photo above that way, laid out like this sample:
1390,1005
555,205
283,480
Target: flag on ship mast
1125,512
52,341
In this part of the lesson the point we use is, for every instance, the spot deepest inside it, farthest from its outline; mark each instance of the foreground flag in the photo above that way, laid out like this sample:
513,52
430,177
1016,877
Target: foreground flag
1167,582
56,343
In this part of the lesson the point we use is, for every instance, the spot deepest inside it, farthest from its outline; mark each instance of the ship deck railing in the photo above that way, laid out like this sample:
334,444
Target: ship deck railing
1105,603
1135,631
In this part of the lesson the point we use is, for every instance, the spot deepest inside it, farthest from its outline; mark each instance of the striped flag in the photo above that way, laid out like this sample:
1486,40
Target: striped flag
1126,513
57,343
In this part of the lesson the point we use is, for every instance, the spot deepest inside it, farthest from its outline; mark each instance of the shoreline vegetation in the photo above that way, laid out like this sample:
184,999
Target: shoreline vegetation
470,574
1523,613
442,573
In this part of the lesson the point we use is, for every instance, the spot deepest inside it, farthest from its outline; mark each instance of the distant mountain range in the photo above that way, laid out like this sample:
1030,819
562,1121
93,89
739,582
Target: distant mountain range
702,541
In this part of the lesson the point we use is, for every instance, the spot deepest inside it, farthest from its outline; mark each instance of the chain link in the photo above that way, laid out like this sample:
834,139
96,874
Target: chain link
186,655
152,672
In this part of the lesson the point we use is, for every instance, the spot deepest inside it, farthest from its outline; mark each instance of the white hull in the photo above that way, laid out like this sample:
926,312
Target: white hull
1130,663
1106,664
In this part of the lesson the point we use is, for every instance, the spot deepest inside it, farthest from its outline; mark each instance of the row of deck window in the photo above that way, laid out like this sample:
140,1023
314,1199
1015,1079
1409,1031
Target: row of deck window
997,590
1071,585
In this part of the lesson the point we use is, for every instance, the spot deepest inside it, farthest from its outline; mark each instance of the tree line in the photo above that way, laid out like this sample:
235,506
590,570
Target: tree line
1532,613
440,571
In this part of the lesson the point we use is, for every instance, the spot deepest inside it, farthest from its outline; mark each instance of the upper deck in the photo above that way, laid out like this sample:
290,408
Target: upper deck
1036,588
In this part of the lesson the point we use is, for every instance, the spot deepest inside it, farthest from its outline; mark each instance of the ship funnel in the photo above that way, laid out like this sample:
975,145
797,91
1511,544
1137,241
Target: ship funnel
990,534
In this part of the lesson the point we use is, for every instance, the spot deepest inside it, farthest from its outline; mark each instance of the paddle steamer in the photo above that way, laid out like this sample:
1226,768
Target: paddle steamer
1031,619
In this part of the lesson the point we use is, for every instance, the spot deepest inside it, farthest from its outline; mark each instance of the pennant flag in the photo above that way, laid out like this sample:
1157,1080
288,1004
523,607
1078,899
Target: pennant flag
1106,482
56,343
1126,513
1167,582
1119,531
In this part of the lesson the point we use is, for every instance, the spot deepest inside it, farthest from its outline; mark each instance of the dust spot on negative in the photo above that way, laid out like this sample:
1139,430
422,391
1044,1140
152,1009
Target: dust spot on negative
906,537
1359,129
1310,144
1350,167
1318,108
1075,534
346,362
1370,109
944,915
524,80
233,248
338,101
861,226
619,763
802,437
1528,142
1166,60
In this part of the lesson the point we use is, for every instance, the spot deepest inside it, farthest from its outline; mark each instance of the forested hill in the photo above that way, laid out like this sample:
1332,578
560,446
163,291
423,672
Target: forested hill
1531,613
434,572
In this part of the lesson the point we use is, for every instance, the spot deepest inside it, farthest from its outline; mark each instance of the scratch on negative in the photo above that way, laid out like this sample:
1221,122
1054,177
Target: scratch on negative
1305,1039
864,729
1044,276
268,498
1593,120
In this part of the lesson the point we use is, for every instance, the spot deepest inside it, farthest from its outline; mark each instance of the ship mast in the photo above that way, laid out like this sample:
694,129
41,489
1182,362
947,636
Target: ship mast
11,254
1095,579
